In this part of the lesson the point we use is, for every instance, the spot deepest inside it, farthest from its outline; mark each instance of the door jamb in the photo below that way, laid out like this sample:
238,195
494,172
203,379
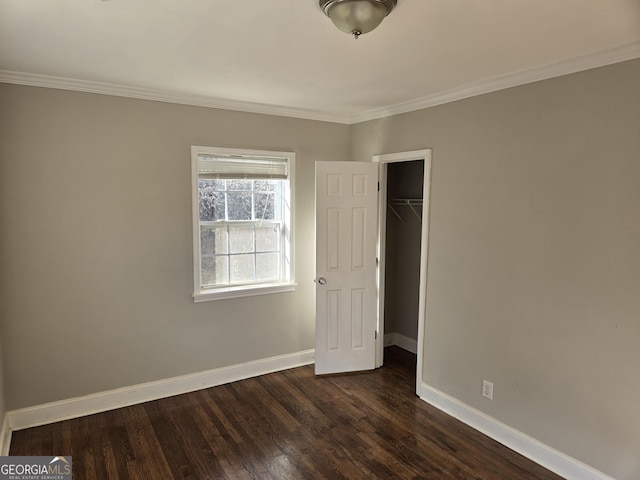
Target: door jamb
384,160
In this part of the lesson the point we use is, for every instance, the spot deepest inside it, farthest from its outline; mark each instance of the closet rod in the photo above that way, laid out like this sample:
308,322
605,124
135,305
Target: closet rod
406,202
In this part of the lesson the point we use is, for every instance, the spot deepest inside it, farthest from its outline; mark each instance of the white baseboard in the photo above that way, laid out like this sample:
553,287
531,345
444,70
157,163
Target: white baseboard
556,461
122,397
552,459
5,436
406,343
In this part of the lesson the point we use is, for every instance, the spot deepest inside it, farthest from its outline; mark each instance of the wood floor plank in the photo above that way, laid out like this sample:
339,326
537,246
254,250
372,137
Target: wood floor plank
285,425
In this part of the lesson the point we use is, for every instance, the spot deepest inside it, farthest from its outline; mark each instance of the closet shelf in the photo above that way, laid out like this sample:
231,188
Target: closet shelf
405,202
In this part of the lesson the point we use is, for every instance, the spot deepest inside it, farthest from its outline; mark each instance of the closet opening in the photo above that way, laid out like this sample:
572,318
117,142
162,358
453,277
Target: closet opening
402,259
403,242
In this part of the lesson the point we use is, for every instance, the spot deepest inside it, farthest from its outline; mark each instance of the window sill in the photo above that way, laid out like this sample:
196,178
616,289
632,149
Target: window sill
242,291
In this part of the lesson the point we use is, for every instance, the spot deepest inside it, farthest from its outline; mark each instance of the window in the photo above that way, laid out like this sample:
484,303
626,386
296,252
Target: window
242,222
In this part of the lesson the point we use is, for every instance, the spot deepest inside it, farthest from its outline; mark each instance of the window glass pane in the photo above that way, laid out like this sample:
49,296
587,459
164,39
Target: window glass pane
210,202
267,266
213,240
265,206
242,268
214,184
219,184
241,240
239,205
267,238
215,270
266,185
238,184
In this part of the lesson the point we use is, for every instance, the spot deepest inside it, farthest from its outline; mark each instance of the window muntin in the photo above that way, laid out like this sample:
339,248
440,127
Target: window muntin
243,213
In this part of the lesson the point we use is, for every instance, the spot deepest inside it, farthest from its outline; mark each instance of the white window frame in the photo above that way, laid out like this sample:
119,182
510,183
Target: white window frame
204,294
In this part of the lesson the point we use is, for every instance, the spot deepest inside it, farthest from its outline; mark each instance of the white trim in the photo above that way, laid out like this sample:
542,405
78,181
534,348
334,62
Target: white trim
382,267
508,80
141,93
145,392
403,156
550,458
402,341
285,284
5,436
565,67
242,291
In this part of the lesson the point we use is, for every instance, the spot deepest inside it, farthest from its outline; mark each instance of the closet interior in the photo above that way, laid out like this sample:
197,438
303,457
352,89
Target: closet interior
402,253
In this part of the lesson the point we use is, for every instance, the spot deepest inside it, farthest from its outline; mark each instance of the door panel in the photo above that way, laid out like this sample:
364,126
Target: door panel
346,293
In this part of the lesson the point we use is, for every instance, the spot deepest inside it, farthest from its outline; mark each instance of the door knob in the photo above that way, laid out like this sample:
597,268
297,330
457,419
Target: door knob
322,280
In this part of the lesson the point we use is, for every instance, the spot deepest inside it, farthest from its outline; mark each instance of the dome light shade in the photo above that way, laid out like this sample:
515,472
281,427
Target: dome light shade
357,16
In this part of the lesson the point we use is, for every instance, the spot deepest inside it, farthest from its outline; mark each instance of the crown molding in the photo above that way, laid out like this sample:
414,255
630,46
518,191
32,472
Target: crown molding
566,67
501,82
88,86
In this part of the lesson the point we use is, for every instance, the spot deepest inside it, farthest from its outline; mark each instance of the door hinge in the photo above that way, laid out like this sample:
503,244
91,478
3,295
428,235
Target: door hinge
378,186
376,334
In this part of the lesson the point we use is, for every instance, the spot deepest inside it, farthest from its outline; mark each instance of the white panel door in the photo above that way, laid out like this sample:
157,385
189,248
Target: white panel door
346,290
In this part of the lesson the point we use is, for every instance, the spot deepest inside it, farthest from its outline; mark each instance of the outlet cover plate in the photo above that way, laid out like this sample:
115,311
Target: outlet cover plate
487,389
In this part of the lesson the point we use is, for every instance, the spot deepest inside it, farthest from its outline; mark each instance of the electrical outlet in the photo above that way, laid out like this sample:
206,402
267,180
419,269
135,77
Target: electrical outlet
487,389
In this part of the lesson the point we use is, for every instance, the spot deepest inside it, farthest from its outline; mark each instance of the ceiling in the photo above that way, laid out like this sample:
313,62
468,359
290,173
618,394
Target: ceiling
286,57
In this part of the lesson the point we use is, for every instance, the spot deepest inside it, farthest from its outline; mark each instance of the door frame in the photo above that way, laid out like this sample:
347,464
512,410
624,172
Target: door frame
384,160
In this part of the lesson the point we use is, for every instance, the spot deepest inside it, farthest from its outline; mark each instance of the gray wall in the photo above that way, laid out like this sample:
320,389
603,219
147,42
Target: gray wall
534,256
96,247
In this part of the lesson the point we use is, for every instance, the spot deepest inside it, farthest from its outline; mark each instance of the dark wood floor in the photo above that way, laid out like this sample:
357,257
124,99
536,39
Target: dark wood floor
289,424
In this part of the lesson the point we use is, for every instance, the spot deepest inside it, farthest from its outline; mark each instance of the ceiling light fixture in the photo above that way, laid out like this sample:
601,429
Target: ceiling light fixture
357,16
